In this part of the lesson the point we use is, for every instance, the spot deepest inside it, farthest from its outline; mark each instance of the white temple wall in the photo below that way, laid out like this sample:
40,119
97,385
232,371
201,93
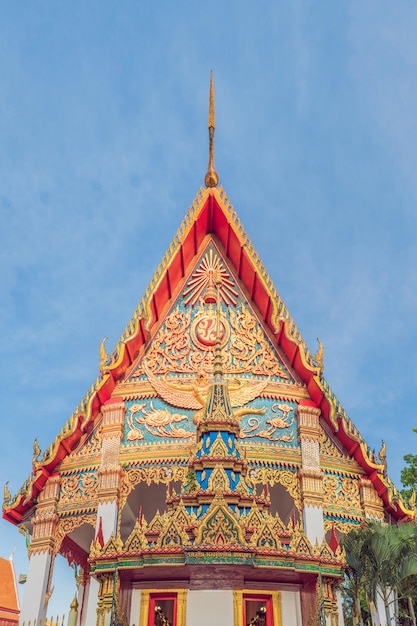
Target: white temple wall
291,608
135,607
206,608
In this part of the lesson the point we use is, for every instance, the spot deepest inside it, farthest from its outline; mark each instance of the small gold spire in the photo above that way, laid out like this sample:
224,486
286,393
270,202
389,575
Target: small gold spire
211,179
218,365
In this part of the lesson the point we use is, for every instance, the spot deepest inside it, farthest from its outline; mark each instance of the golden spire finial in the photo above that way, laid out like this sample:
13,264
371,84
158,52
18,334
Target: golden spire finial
212,178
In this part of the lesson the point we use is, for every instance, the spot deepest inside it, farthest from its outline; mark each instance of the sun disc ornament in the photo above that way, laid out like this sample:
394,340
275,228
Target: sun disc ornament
202,282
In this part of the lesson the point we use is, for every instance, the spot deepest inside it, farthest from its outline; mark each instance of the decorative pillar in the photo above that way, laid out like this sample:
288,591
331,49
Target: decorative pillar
311,474
110,472
82,598
330,602
371,503
38,588
109,477
106,603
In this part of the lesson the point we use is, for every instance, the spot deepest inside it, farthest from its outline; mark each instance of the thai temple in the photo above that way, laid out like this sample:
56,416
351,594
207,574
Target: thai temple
209,473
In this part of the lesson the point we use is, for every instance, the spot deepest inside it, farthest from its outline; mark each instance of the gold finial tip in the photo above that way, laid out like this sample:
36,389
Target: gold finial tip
211,179
211,123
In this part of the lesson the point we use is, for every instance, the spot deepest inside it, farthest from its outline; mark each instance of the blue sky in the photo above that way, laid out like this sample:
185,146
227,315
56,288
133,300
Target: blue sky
103,114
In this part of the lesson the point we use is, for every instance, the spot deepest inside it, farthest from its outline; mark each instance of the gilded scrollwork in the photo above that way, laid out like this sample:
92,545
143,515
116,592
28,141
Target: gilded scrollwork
149,475
341,491
249,348
329,448
80,487
289,480
67,525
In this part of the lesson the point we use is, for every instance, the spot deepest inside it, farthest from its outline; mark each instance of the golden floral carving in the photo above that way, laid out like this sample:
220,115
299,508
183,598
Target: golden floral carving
300,543
219,448
158,422
149,475
329,448
136,540
341,491
275,423
289,480
249,348
219,527
78,488
266,539
173,349
172,536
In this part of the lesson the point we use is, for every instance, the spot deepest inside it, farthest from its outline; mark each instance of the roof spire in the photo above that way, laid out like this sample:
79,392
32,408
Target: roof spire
212,178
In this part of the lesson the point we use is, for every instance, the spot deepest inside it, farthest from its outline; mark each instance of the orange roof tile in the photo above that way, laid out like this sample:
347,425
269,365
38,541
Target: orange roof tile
9,599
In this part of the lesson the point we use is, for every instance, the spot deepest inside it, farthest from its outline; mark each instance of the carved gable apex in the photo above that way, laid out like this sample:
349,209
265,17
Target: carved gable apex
166,389
184,343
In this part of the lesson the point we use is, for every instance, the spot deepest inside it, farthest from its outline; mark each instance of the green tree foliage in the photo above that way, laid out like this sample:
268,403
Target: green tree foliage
409,475
381,564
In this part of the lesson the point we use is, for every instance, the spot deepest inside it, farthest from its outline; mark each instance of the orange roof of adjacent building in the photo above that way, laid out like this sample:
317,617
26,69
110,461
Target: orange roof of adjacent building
9,598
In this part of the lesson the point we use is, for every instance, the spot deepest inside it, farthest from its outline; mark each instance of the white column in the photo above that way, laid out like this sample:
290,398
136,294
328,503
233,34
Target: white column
109,475
38,587
313,523
35,588
108,512
82,598
90,610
